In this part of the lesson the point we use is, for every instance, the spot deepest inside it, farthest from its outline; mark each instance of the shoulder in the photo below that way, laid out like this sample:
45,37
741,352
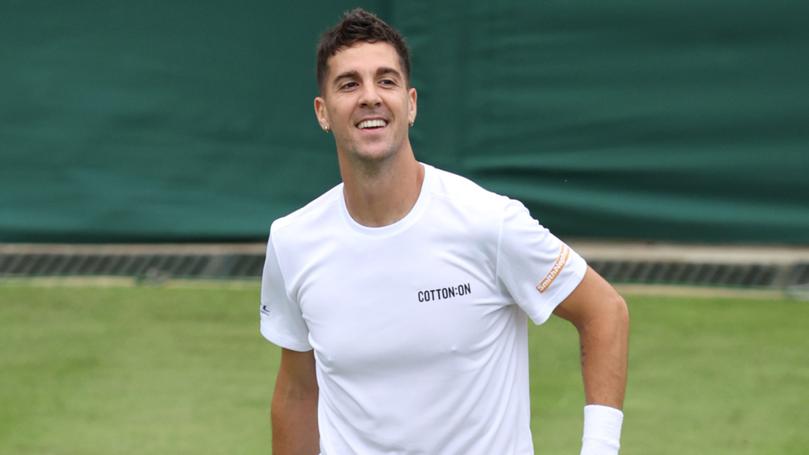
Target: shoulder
461,205
313,215
463,192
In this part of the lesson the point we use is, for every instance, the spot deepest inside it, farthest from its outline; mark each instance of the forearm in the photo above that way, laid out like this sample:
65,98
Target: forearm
604,348
294,425
602,319
604,343
294,408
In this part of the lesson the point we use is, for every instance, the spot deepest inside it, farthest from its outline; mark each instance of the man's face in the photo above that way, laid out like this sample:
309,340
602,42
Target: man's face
366,102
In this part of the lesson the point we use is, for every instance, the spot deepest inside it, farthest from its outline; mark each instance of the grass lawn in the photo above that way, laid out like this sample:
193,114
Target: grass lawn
134,370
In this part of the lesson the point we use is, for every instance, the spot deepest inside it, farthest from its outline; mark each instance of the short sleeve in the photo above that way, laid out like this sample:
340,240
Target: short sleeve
281,320
537,268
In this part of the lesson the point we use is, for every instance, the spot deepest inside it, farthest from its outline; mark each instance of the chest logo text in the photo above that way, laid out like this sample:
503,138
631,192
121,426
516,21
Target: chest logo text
444,293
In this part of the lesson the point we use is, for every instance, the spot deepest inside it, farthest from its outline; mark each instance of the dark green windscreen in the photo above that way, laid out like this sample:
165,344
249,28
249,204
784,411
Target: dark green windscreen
192,121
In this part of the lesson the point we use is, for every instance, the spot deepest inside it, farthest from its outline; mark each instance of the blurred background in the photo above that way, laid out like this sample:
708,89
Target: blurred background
193,121
151,142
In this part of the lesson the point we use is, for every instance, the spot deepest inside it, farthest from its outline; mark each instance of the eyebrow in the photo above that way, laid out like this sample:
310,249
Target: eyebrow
353,74
346,75
385,71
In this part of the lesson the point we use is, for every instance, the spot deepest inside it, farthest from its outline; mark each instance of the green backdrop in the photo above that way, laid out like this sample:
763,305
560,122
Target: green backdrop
192,120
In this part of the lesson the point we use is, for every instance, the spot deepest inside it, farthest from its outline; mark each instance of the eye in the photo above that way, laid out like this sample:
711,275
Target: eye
350,85
387,82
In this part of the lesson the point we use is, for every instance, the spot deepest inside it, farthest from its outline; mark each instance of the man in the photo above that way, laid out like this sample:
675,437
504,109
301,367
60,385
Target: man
401,296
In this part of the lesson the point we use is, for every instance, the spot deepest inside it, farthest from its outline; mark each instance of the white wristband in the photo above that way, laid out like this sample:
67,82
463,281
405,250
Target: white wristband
602,430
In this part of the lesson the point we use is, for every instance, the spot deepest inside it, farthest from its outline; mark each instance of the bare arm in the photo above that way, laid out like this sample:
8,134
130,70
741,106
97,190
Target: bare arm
601,317
294,406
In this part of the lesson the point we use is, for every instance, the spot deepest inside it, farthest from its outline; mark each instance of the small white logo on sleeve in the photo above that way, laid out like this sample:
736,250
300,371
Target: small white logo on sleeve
561,260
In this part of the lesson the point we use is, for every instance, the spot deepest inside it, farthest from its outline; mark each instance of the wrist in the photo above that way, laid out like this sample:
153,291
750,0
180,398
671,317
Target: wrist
602,430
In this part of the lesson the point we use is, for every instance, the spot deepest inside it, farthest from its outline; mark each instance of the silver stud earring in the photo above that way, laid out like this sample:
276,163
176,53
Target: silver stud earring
412,122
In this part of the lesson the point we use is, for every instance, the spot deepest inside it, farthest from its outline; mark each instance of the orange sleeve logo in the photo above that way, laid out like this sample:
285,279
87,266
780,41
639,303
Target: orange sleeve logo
561,260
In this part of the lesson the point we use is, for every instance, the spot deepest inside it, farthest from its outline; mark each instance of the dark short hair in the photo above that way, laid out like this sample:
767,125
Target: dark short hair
357,26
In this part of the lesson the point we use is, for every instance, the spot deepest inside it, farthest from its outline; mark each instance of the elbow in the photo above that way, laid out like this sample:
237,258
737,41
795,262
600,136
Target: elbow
617,317
621,310
611,317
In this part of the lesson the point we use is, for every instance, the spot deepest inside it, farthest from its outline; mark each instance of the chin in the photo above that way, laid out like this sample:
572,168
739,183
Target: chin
374,153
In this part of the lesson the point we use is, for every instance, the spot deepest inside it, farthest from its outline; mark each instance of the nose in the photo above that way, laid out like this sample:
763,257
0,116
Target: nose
370,96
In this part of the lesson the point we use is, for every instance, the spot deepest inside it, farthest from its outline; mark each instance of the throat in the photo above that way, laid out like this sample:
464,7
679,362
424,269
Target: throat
384,199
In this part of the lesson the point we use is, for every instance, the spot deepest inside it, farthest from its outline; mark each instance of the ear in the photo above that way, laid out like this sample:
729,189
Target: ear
321,114
412,98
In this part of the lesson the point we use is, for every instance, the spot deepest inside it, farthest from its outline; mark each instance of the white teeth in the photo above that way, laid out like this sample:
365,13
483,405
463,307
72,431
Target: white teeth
375,123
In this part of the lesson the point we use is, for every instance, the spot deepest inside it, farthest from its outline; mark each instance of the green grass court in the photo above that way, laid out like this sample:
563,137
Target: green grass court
136,370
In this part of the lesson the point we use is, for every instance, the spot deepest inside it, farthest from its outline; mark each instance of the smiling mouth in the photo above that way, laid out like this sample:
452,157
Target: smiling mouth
372,124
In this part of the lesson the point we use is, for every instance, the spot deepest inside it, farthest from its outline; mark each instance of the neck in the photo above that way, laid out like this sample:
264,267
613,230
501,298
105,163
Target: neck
380,193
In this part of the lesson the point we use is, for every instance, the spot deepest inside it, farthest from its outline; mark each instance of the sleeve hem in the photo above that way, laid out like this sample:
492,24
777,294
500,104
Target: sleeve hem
282,340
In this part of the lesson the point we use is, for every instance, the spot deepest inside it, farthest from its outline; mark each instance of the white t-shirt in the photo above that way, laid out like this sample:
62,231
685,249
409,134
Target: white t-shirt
419,328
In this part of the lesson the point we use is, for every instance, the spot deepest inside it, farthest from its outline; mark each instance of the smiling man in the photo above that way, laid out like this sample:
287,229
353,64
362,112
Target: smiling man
401,297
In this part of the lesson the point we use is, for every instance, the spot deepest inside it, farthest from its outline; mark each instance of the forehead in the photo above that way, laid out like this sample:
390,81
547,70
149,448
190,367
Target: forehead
364,57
